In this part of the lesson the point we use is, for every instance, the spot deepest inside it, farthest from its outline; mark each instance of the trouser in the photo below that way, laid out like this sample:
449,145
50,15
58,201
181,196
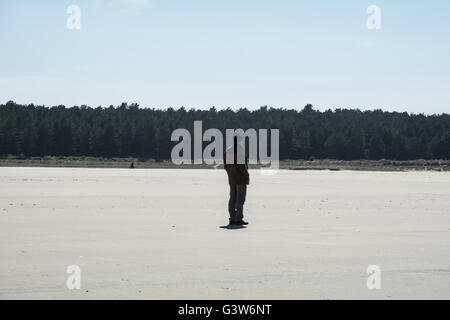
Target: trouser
236,202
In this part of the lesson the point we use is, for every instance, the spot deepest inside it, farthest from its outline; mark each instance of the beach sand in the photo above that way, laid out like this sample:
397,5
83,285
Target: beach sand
155,234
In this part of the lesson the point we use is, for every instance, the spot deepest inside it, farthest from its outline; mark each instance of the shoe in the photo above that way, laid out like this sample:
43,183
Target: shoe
240,223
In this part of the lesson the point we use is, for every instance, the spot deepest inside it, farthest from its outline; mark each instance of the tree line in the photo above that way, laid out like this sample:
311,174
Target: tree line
130,131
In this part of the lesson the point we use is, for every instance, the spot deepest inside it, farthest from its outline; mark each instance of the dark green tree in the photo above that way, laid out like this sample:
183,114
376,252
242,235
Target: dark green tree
377,148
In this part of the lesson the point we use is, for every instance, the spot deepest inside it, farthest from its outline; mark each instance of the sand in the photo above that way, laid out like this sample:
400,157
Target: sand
155,234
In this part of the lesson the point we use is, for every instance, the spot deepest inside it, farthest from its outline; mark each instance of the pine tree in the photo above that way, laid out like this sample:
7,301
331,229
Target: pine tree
377,148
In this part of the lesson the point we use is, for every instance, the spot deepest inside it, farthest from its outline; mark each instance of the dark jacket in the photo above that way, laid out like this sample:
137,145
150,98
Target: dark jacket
237,173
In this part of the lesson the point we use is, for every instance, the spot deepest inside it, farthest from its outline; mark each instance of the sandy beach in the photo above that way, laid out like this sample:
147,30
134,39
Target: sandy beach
155,234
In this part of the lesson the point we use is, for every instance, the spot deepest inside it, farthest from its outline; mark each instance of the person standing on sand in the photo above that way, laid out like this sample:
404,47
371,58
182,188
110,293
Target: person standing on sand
238,179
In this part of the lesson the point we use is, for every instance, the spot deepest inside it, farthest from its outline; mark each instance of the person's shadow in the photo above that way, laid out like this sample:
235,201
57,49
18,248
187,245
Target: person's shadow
233,227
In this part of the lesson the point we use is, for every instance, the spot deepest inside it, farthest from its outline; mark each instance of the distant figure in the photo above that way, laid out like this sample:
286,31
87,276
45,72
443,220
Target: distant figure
238,178
131,165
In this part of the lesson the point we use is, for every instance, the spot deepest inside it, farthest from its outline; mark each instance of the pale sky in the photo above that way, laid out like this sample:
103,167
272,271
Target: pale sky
233,53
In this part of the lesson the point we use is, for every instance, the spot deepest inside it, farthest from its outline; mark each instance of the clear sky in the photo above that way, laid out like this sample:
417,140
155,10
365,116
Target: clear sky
228,53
